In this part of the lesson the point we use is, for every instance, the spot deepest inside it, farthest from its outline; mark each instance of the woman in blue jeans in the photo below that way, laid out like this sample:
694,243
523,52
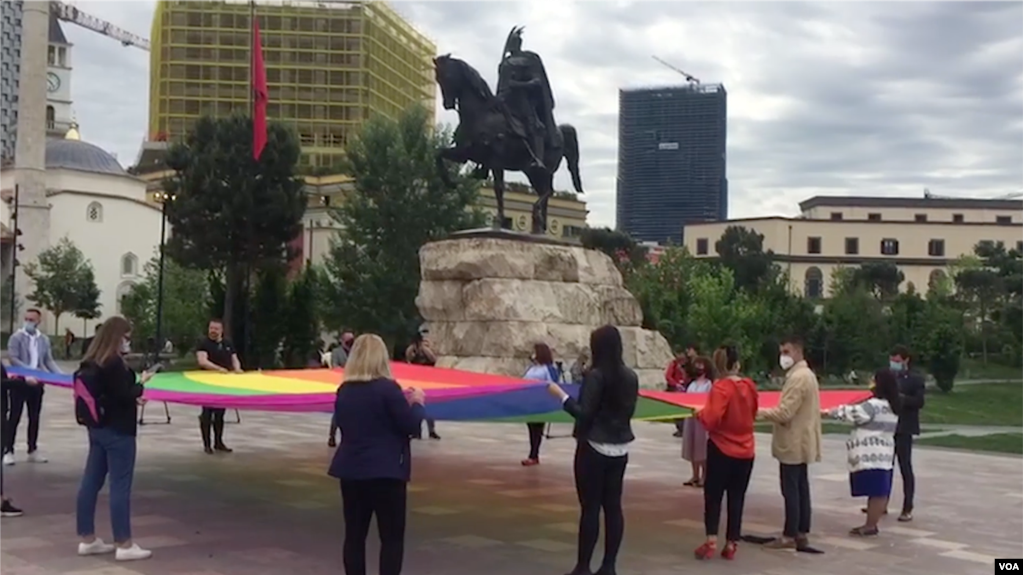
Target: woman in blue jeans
107,396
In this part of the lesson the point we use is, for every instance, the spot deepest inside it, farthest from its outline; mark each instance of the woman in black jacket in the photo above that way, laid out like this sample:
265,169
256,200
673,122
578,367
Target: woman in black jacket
7,384
110,393
603,432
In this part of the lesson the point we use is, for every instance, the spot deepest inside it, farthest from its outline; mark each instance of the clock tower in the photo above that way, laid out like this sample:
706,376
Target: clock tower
58,82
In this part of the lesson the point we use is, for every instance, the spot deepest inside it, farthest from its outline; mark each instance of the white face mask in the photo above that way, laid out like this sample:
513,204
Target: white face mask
786,361
125,346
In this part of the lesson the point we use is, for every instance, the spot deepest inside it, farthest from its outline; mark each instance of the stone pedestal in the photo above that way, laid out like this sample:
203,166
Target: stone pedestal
489,295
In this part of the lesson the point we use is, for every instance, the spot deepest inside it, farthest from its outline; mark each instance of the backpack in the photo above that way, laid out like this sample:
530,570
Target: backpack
88,410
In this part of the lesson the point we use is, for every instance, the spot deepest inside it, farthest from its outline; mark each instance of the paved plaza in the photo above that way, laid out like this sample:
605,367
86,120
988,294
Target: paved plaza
269,508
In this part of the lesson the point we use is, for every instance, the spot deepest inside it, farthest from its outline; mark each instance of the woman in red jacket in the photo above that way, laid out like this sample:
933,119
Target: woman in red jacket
728,417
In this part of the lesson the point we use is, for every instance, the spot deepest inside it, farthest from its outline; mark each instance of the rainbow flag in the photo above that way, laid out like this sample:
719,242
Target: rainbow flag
451,395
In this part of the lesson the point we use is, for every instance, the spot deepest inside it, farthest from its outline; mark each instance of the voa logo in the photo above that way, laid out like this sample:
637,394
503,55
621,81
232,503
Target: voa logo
1008,565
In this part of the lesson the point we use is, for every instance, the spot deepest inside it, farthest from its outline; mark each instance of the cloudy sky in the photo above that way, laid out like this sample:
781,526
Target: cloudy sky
824,98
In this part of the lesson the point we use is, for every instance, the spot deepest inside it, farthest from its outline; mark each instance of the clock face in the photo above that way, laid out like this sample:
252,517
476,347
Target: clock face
52,82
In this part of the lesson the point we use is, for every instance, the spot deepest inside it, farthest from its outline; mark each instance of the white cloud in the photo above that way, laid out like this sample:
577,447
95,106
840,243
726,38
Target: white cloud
836,98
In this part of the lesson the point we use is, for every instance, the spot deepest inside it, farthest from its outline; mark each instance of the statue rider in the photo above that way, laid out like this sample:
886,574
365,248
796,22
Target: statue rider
523,86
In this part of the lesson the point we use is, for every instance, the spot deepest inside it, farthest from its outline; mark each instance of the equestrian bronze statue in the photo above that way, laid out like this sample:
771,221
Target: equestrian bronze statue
512,131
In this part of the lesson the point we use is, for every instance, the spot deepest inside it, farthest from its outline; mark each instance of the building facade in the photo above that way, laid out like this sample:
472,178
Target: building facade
10,72
59,115
329,67
671,159
921,236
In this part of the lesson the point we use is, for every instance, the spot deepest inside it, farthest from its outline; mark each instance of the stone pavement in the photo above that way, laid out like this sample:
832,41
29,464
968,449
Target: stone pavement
269,509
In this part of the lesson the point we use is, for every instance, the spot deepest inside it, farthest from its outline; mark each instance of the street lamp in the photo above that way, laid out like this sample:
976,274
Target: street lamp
164,198
14,258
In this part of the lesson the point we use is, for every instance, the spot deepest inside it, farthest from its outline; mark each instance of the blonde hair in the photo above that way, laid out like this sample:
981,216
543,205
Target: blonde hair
368,359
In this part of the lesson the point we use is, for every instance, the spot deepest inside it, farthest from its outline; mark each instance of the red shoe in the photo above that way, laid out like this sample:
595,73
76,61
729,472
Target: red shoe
729,551
530,462
706,551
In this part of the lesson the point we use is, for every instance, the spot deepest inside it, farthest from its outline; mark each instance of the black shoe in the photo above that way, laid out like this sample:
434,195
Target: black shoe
331,442
222,448
677,433
207,450
433,435
9,510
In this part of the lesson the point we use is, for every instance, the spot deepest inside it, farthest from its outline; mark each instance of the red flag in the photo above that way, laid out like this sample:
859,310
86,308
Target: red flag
259,93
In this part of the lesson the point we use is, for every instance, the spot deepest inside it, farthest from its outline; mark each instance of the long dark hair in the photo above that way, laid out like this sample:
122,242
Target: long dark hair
886,386
106,344
606,350
542,354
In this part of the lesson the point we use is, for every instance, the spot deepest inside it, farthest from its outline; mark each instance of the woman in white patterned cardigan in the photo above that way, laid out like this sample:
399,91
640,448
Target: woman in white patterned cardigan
871,447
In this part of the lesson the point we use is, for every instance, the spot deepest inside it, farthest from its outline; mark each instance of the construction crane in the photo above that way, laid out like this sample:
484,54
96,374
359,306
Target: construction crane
689,77
68,13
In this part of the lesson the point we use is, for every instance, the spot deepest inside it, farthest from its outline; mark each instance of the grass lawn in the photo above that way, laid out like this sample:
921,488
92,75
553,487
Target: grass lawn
972,368
983,404
998,443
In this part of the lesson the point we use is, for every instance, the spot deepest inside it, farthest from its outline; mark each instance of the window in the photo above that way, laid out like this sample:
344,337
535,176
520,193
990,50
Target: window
62,56
1003,220
852,246
129,264
920,218
836,216
814,283
813,245
94,213
889,247
874,217
957,218
51,118
936,248
51,56
701,246
122,290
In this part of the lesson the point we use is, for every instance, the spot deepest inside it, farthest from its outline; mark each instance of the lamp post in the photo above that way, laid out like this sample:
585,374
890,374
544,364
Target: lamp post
17,247
164,198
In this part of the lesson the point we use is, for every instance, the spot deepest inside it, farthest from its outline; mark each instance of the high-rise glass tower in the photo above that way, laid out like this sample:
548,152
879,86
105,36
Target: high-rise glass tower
10,73
671,160
329,66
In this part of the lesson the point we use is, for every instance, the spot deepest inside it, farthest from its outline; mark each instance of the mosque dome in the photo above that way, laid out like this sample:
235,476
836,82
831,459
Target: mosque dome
71,153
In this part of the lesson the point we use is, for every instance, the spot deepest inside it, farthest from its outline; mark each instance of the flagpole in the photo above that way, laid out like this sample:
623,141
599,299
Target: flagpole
246,324
252,58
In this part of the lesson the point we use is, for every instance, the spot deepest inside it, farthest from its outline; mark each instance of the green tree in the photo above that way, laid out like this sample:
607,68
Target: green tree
619,246
230,213
879,278
270,307
300,326
88,306
854,331
399,203
741,250
63,280
185,297
940,342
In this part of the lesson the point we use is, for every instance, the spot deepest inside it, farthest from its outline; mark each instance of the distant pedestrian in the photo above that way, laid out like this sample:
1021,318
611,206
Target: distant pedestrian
419,352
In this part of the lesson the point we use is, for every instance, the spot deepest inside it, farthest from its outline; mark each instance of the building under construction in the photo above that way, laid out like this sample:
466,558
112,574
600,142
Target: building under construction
329,67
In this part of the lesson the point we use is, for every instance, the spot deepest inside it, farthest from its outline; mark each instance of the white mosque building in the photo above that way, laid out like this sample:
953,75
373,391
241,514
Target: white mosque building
89,199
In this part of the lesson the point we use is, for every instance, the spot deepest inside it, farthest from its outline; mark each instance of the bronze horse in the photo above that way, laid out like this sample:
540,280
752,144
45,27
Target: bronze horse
489,136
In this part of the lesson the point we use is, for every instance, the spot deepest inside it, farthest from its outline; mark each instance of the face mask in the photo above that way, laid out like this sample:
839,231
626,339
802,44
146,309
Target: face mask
125,346
895,365
786,361
30,326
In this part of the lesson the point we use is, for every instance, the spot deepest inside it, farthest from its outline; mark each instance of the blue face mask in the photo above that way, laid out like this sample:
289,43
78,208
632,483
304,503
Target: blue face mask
895,365
30,326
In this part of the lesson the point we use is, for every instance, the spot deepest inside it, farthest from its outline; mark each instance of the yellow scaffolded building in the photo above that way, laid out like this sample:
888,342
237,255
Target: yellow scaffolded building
329,66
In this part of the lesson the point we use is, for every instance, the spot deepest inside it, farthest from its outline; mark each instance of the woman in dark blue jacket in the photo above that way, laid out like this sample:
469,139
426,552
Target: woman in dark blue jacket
374,461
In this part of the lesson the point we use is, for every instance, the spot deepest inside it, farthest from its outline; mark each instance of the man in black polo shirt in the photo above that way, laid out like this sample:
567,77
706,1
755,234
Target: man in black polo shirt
215,354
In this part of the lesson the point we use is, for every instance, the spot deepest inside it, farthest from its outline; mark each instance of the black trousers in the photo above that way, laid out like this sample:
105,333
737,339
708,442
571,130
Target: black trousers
535,439
22,396
725,476
904,455
212,418
795,489
362,499
599,481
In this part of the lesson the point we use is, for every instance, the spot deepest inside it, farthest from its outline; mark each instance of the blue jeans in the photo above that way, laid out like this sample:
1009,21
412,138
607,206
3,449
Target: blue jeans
113,454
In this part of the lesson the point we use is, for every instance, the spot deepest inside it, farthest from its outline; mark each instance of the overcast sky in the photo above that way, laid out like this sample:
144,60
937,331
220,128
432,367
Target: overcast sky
823,98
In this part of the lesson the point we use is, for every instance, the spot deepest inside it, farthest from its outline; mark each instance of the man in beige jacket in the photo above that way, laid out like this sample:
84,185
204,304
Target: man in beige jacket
796,442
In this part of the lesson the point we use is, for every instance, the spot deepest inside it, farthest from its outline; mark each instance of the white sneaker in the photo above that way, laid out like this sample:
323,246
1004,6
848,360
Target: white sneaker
8,459
36,457
97,547
133,553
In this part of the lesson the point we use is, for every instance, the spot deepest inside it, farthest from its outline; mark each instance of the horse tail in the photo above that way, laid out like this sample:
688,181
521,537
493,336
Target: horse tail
571,143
